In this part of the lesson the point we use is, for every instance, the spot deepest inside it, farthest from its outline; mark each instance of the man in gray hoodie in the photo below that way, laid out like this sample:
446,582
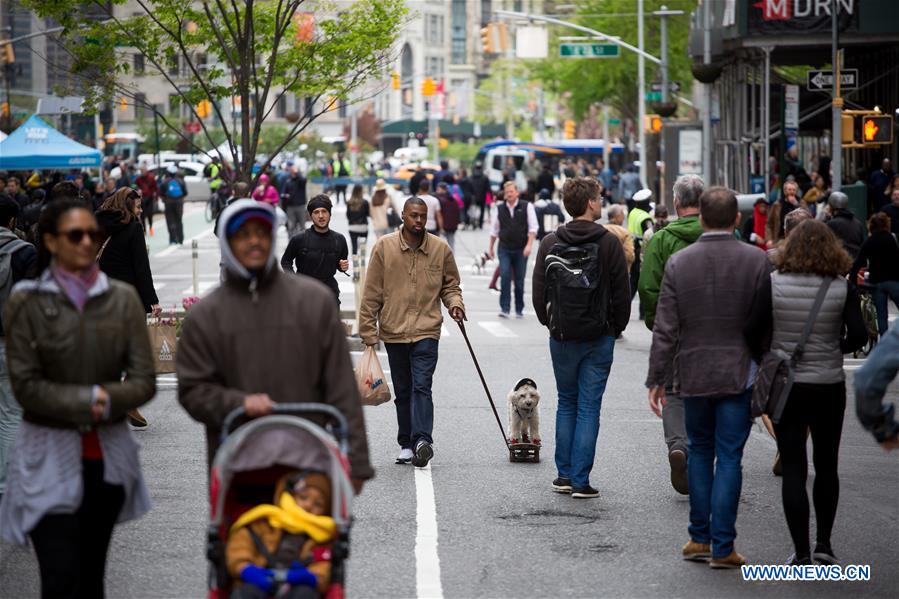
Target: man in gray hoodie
264,337
581,294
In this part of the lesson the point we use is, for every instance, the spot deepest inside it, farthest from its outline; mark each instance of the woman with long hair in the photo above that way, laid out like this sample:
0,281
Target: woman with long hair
357,213
381,205
812,255
74,472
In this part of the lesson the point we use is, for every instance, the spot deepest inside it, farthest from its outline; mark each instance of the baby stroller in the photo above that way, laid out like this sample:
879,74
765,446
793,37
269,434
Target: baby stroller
254,455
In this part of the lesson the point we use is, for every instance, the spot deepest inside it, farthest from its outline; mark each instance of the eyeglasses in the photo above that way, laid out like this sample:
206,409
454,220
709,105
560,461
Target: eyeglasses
75,236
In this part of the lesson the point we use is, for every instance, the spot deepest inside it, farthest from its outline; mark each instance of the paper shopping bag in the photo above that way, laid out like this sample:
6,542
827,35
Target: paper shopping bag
370,379
164,341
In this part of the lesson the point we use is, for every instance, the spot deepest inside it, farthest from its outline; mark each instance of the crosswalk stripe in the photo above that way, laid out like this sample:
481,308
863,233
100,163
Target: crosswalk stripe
159,286
204,287
497,329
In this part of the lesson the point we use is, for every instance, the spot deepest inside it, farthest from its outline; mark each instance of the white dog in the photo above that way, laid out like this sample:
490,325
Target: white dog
480,263
524,417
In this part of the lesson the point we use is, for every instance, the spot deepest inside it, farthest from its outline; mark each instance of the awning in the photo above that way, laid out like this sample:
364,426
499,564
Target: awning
36,145
447,128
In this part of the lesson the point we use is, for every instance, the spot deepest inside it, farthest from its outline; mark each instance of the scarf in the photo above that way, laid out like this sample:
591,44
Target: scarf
759,222
288,516
76,286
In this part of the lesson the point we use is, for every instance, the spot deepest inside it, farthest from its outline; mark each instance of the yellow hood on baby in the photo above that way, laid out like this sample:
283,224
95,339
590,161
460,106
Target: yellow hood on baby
290,517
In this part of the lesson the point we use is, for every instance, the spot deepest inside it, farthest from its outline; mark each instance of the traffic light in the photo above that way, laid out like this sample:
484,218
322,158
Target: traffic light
123,103
877,129
652,123
7,54
569,129
4,109
204,109
395,80
495,38
428,87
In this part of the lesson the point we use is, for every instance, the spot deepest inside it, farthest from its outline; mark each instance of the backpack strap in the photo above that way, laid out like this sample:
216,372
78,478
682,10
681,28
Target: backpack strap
812,316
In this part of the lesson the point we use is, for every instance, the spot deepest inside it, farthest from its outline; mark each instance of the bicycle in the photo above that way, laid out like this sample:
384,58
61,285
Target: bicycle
869,315
214,206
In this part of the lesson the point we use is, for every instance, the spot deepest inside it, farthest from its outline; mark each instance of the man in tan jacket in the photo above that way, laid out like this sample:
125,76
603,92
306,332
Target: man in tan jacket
410,272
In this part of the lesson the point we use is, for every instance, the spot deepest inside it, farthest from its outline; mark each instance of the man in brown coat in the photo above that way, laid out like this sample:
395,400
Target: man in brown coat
708,292
263,338
410,272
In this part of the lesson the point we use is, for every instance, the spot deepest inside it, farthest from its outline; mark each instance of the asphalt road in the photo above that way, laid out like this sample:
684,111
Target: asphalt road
493,528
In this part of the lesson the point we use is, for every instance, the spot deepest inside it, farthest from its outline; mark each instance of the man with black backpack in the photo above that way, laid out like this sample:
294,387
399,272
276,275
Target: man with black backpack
17,262
582,295
318,252
174,191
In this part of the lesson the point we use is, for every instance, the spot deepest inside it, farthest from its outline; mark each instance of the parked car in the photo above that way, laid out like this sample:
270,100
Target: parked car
198,189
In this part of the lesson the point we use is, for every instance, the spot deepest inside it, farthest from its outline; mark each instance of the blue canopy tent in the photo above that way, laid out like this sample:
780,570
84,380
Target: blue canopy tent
36,145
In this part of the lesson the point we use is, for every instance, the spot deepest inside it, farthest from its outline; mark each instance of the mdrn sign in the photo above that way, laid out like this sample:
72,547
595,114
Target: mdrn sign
784,10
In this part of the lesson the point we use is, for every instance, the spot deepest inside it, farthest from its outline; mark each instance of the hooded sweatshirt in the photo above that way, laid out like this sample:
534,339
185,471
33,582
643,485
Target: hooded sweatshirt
673,238
267,332
124,257
613,268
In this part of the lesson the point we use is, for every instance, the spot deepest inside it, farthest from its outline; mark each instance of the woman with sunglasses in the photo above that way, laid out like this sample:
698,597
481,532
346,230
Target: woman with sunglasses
79,359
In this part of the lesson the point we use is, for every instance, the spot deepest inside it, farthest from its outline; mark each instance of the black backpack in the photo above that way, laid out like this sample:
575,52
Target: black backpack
577,292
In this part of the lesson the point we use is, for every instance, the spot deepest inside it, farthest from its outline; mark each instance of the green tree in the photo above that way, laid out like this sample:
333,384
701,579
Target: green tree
251,51
583,82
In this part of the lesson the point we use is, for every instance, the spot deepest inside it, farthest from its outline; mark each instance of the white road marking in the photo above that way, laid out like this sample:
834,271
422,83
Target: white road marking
427,560
497,329
159,286
204,287
186,245
444,332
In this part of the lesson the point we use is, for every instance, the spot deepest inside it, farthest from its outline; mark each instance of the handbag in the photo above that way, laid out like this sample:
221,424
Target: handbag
776,372
393,219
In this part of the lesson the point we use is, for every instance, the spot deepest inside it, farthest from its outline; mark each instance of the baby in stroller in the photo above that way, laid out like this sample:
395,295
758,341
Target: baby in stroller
284,549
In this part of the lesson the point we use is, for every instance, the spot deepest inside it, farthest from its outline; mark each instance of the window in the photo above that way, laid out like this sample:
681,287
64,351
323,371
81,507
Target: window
486,12
341,108
281,107
518,6
138,63
459,43
174,104
309,106
173,65
434,66
434,30
140,105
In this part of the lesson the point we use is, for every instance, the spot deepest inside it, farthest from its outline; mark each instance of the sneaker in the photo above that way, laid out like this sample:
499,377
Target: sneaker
519,315
697,552
730,562
824,554
137,420
423,454
503,315
405,456
151,232
562,485
587,492
799,561
677,459
777,468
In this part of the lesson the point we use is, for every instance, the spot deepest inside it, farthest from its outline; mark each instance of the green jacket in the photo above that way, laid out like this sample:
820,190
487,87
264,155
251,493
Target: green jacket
673,238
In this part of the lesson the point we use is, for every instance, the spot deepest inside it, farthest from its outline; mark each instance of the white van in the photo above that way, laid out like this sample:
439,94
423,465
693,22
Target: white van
496,162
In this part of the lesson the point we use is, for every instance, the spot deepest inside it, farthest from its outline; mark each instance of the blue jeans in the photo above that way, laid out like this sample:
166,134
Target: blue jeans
10,416
511,263
412,368
717,428
884,291
581,369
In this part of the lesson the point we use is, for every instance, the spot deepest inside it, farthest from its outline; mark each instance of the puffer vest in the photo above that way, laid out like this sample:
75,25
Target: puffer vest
793,296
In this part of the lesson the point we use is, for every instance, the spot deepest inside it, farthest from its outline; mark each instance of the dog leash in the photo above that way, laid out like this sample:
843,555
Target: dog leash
484,382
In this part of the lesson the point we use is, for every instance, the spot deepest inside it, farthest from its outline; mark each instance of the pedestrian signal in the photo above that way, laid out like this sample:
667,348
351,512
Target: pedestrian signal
395,80
847,124
877,129
652,123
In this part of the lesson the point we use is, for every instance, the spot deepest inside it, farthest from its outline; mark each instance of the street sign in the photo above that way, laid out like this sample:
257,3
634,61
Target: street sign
614,121
819,81
192,127
586,50
654,96
673,86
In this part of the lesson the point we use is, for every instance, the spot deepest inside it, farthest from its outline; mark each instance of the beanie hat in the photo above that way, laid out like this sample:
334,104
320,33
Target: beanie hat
313,480
263,216
316,203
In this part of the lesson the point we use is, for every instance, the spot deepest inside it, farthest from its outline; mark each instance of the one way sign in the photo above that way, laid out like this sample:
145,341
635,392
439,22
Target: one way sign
823,80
